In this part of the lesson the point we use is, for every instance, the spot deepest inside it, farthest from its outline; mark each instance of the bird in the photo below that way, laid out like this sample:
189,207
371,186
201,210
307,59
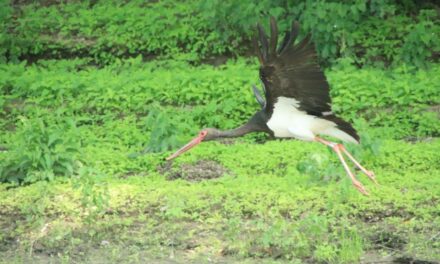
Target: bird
296,102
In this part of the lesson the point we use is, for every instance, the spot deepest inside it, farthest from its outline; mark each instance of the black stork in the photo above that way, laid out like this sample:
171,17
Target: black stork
297,103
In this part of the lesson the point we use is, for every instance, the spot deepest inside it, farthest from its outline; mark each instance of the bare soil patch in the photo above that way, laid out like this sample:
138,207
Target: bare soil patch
202,170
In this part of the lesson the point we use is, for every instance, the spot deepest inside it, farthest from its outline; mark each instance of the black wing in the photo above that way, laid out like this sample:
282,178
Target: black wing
258,97
293,71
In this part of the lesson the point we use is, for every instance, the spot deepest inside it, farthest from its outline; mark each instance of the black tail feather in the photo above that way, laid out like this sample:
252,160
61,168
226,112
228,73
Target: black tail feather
343,125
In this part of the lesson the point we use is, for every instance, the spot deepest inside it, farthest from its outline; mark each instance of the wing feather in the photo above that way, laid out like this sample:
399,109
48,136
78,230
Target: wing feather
293,71
264,43
290,37
273,36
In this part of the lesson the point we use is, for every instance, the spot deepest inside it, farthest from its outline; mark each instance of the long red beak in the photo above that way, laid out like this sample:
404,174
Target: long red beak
188,146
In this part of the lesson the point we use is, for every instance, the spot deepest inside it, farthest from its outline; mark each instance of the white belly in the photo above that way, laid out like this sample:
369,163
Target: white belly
288,121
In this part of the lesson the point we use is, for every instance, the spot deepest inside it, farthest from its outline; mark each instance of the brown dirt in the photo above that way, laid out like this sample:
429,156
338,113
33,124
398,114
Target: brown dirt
202,170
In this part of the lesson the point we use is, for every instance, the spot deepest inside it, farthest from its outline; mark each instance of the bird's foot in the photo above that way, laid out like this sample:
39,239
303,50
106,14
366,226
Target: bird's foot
360,187
369,173
339,147
371,176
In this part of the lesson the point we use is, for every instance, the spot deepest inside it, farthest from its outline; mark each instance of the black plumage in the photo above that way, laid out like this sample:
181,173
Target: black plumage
293,71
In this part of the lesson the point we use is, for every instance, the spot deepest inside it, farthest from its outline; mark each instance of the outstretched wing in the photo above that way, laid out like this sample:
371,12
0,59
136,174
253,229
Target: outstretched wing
292,71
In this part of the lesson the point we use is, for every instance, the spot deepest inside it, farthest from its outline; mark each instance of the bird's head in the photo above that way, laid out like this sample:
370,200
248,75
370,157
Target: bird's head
204,135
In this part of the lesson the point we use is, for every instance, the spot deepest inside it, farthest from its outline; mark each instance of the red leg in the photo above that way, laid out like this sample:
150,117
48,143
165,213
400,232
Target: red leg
370,174
337,148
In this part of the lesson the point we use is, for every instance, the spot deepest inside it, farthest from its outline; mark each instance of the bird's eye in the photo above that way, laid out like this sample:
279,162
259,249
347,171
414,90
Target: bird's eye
203,133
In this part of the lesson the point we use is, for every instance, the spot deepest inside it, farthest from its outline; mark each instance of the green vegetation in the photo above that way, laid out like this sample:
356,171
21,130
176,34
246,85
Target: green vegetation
195,29
261,208
94,95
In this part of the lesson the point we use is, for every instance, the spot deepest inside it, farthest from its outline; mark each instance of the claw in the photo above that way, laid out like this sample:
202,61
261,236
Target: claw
369,173
360,188
339,149
372,176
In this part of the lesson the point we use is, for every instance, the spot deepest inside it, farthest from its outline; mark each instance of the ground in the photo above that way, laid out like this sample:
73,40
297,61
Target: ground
229,203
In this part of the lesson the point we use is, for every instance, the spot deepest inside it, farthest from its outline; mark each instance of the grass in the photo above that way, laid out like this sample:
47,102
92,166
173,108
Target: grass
85,87
72,130
266,208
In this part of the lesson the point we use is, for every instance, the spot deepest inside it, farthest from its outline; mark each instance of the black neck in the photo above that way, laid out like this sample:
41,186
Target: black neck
257,123
236,132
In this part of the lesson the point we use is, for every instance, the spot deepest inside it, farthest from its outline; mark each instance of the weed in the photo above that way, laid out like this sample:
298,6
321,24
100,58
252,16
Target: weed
41,151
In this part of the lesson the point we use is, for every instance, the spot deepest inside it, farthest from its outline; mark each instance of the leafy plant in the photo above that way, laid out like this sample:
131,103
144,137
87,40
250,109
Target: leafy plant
41,151
94,191
165,131
423,39
5,38
372,32
140,80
